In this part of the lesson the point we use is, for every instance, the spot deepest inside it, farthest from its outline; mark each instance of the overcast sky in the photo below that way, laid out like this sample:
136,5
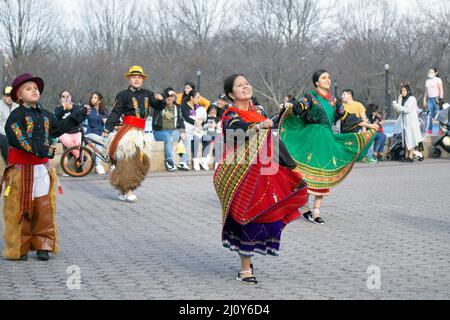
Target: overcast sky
71,7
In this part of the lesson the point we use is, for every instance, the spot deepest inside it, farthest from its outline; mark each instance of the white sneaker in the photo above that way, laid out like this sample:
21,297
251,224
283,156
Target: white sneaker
121,197
131,198
216,166
65,175
204,164
196,165
100,170
183,166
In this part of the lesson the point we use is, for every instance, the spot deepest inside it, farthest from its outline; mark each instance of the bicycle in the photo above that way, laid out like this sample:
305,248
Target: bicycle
83,165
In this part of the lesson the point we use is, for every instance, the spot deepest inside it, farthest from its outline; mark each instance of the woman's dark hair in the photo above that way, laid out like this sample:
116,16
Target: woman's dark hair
371,108
229,84
436,71
407,87
255,101
184,97
408,90
212,107
190,95
101,107
61,93
190,84
316,76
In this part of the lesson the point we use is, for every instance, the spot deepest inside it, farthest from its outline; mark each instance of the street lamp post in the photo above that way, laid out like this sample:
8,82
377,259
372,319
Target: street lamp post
199,75
335,89
386,92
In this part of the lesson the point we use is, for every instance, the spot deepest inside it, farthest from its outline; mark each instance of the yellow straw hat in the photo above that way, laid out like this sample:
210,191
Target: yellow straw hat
136,71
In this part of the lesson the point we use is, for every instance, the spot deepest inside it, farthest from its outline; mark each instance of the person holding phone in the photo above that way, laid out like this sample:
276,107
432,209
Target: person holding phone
407,106
96,120
65,109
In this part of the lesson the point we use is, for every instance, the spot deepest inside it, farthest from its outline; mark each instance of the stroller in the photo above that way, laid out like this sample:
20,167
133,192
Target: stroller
397,149
444,142
423,120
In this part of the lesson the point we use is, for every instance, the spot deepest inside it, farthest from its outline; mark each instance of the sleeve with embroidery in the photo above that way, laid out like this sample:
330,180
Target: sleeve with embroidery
307,107
232,121
20,133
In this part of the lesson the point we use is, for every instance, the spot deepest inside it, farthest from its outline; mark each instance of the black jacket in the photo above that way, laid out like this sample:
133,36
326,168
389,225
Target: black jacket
158,119
61,114
132,102
33,129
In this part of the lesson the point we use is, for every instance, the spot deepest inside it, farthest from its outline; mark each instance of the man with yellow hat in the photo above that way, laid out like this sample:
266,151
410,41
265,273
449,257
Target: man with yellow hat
7,105
129,145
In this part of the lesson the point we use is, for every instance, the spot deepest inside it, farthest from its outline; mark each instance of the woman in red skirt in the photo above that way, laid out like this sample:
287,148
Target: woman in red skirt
259,193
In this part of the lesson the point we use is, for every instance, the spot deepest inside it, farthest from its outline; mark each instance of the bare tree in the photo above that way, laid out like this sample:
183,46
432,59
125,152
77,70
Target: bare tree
112,26
278,44
436,26
282,43
366,31
27,27
200,20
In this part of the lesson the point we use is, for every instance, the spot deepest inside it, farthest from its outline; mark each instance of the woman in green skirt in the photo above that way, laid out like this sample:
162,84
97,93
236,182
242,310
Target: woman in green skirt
323,157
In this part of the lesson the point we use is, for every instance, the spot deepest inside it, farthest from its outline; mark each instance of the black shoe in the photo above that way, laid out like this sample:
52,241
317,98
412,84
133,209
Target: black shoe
42,255
249,280
319,220
308,216
24,258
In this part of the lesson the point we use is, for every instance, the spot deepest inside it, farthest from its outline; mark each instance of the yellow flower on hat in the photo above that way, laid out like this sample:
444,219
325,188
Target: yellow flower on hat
136,71
8,90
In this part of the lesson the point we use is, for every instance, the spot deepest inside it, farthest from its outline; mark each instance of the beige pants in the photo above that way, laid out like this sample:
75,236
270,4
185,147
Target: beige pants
38,230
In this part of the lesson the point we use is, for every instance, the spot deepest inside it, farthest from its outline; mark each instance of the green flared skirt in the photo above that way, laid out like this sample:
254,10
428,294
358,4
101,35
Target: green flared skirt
323,158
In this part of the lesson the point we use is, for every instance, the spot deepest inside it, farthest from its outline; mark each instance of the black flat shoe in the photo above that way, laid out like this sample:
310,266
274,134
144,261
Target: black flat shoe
42,255
247,280
308,216
24,258
319,220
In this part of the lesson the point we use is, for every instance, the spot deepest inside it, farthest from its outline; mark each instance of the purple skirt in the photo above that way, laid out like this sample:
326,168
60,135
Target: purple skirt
253,238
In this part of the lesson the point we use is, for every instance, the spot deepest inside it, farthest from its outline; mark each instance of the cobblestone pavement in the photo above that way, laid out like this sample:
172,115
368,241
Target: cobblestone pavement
393,216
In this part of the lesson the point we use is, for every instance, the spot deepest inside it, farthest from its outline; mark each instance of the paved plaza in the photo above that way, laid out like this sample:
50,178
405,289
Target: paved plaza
387,236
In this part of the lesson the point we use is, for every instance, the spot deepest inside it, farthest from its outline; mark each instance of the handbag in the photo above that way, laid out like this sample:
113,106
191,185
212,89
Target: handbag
181,149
